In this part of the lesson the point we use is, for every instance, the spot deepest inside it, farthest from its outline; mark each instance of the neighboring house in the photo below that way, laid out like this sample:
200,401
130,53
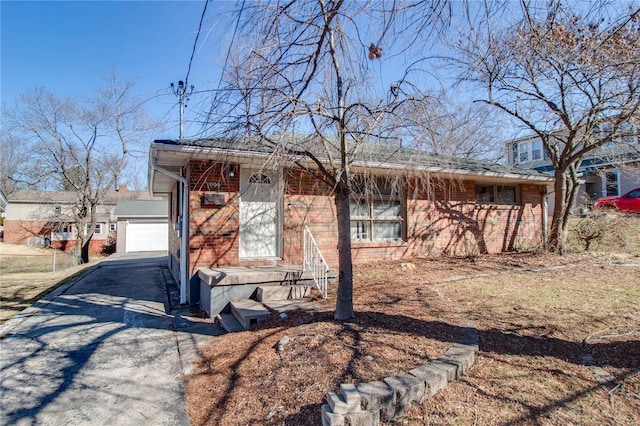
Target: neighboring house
142,225
609,171
46,217
3,208
3,204
236,203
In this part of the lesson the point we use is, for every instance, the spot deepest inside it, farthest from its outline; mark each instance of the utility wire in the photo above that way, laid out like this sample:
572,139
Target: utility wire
195,43
224,67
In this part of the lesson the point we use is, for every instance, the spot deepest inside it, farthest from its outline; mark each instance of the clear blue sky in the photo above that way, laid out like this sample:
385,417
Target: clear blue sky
66,46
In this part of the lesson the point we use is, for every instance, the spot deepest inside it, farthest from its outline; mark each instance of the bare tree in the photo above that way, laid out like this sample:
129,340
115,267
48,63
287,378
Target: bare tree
17,168
79,146
309,66
561,73
442,126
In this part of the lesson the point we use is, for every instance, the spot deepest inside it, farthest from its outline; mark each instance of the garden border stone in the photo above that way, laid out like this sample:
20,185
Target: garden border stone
369,402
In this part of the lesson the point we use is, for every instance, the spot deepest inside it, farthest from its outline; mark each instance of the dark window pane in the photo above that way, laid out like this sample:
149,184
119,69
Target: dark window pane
484,193
506,195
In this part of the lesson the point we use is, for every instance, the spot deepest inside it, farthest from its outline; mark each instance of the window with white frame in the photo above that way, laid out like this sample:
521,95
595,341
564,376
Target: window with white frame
113,227
527,151
66,229
626,133
377,210
496,194
97,231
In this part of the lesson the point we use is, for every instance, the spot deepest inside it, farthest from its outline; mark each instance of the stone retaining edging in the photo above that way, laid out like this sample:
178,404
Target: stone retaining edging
369,403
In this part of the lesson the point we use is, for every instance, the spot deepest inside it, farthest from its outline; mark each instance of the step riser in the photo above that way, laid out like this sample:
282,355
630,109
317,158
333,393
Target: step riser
271,293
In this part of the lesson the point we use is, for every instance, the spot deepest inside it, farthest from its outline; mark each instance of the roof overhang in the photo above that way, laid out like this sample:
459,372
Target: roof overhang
166,160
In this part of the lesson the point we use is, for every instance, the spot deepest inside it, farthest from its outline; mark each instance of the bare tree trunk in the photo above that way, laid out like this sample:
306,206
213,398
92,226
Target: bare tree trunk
556,238
84,250
344,302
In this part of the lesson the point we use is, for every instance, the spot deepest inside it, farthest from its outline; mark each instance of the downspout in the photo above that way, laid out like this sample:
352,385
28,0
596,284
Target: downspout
184,228
545,216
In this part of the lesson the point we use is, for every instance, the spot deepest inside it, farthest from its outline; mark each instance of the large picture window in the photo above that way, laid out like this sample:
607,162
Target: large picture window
377,211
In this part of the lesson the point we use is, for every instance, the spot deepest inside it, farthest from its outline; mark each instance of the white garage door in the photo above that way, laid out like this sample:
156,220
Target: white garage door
147,236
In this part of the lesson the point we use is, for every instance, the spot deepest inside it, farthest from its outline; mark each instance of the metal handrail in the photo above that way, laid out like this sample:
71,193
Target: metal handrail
314,262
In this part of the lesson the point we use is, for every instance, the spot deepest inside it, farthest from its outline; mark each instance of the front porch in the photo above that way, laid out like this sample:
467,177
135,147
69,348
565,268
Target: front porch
219,286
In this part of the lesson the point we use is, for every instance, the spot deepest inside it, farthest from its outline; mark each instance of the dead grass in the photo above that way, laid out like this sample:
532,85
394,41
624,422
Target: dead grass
19,290
537,315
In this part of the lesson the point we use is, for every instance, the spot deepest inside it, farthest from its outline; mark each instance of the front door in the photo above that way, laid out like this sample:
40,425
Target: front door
259,224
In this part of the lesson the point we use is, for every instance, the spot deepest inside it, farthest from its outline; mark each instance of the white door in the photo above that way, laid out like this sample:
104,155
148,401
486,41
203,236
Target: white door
259,222
149,236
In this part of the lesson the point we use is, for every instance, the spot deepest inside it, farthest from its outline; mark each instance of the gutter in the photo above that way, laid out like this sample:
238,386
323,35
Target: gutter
184,226
437,170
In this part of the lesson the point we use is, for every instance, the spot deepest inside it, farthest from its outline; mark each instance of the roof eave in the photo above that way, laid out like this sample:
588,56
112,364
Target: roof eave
183,153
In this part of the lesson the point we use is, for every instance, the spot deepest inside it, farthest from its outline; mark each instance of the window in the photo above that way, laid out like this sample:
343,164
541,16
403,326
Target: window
376,211
523,151
97,231
484,194
66,229
497,194
536,149
260,178
113,227
611,179
526,151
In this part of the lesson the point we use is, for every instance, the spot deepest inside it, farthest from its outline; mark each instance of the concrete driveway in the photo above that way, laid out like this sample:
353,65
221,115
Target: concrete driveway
105,349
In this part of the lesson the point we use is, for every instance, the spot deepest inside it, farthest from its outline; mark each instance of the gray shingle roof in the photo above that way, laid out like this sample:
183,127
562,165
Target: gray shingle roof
141,208
69,197
369,153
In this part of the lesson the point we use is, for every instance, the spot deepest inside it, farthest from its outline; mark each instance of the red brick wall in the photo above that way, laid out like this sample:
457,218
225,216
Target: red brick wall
19,231
213,230
441,218
308,201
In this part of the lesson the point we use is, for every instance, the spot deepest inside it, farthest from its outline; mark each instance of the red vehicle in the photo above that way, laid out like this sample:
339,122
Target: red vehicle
629,202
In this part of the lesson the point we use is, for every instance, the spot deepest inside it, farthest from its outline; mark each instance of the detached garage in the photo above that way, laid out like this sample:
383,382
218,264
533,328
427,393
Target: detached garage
142,225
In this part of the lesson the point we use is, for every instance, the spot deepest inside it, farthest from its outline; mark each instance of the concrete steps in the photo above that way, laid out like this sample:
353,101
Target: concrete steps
229,323
248,312
279,298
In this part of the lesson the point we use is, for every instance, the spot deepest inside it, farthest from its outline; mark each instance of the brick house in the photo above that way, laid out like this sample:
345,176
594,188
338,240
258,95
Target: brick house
248,206
46,218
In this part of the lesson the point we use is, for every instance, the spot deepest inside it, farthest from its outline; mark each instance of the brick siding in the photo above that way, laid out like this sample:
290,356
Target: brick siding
19,232
441,218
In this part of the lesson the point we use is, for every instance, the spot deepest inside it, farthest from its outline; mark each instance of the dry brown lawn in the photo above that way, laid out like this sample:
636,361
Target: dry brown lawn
19,290
537,315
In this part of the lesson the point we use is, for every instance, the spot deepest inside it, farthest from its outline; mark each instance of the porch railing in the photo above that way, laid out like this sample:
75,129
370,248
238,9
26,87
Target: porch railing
314,262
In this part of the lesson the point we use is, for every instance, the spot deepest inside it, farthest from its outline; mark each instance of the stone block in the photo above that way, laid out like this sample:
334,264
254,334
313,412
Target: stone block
462,355
351,396
434,378
449,366
330,418
336,403
408,388
363,418
375,395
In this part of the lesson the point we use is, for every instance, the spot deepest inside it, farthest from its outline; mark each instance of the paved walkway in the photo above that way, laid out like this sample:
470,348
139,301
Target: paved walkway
105,349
